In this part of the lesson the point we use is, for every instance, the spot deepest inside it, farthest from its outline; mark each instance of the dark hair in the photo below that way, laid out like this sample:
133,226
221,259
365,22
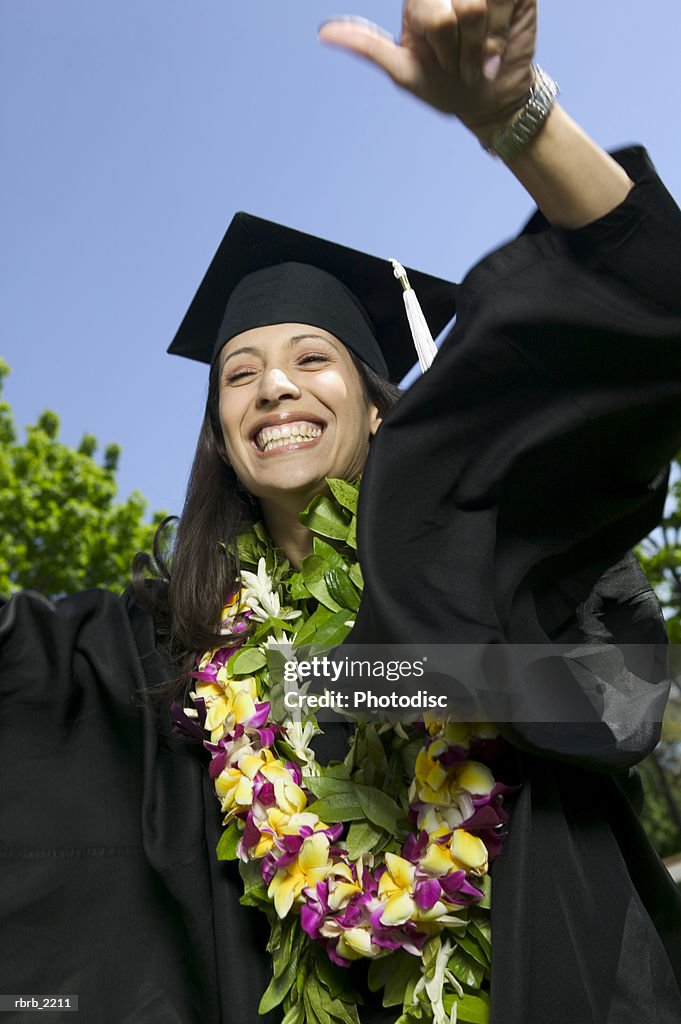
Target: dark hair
189,588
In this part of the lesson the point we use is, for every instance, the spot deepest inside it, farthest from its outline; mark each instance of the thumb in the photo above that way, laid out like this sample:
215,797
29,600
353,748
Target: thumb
370,41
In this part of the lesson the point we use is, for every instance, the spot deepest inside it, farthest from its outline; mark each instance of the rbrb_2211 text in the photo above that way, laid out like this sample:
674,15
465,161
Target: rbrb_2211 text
38,1002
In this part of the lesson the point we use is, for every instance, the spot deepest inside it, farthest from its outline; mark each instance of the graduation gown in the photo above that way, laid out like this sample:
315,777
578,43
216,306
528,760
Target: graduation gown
534,452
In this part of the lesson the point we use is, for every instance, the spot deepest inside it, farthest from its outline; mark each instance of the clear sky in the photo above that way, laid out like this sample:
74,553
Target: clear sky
132,131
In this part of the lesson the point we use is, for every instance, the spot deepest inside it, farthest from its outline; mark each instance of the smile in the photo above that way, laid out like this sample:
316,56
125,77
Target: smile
286,435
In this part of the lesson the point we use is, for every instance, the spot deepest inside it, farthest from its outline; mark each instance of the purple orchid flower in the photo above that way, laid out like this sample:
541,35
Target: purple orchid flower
190,729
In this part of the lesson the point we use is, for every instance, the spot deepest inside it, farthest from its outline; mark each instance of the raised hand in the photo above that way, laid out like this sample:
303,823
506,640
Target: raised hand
470,58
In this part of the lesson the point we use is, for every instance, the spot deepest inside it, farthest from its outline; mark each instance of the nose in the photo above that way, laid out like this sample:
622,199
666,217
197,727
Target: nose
276,386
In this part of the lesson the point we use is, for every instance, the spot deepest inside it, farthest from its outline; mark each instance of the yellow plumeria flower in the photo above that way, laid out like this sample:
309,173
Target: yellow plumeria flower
342,887
289,796
438,821
234,791
455,734
235,606
356,942
475,778
229,702
396,887
465,852
434,784
234,785
312,865
469,852
277,824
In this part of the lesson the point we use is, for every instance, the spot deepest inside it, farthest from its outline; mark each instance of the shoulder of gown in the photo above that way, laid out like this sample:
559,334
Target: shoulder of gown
108,828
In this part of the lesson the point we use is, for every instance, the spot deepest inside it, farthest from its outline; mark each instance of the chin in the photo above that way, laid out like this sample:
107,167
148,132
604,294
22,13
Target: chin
291,483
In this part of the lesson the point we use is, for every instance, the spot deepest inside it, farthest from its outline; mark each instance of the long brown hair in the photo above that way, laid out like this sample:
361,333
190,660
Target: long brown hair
194,571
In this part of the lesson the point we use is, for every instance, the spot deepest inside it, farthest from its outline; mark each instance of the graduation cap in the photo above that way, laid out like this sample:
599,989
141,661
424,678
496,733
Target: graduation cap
264,273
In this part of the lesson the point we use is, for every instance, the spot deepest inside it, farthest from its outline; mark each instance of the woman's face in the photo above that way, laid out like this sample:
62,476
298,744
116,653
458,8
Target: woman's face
292,410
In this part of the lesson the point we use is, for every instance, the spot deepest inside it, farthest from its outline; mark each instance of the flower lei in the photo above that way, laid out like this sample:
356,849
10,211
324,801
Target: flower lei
381,857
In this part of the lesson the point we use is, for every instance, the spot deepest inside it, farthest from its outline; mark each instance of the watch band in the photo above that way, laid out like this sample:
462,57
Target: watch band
508,141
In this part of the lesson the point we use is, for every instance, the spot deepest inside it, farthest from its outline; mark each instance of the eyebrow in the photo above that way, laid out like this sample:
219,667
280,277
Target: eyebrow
293,340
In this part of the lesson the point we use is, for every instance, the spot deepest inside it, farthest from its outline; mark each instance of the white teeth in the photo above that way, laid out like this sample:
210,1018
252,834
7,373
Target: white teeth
275,437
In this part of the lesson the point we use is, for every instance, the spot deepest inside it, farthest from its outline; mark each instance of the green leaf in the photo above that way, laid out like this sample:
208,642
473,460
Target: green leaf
328,553
339,807
394,974
256,897
248,661
469,1009
342,589
314,569
337,771
474,949
485,884
327,1009
333,978
346,494
351,537
356,576
362,838
297,589
255,891
324,517
295,1014
382,810
314,1002
287,964
375,806
307,631
229,840
333,631
276,665
482,933
465,969
249,548
328,784
284,948
429,953
260,530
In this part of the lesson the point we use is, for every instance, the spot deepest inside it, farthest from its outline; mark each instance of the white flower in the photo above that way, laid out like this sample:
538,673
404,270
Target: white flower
435,985
298,736
258,594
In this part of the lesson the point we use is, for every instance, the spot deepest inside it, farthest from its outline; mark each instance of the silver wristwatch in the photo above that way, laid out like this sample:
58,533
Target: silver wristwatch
508,141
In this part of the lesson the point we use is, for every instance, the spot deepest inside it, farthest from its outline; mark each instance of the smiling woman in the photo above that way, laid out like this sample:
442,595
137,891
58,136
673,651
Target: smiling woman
293,412
499,499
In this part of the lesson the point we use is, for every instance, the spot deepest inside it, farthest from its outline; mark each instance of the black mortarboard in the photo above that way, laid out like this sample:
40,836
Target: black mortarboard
265,273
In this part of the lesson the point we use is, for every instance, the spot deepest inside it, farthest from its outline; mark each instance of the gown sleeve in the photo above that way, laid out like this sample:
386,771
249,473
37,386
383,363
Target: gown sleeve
533,454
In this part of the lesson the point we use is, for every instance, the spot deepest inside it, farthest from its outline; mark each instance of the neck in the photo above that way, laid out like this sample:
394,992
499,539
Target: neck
285,529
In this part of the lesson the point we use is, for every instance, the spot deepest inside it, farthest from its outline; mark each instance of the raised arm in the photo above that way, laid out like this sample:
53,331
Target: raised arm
473,59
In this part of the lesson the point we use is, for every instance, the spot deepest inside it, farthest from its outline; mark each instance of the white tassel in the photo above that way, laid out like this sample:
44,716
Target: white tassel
420,332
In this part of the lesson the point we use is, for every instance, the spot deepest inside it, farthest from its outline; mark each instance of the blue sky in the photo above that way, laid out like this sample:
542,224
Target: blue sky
133,130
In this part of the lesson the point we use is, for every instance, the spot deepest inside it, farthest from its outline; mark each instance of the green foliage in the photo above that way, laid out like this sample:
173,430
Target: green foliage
660,556
62,529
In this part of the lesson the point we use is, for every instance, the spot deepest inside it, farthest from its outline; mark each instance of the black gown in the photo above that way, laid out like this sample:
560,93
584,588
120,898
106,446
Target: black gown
535,450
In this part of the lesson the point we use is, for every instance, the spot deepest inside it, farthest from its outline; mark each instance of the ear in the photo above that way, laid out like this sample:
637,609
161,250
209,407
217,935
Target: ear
375,420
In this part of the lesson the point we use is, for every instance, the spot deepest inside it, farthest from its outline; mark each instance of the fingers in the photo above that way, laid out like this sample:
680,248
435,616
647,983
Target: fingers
436,22
499,16
445,45
468,37
472,18
370,41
